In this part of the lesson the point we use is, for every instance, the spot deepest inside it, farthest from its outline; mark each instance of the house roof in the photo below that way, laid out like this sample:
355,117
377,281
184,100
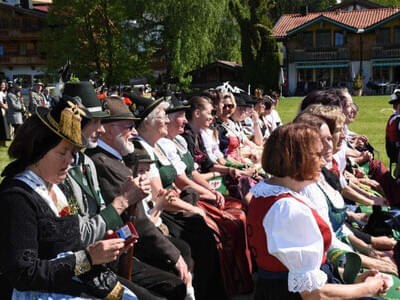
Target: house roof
21,10
223,63
44,8
355,20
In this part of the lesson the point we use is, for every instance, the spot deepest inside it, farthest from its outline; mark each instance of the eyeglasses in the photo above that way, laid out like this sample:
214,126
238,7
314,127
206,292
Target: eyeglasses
130,126
230,106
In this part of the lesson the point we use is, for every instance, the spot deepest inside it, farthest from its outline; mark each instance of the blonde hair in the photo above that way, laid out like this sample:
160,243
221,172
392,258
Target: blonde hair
332,115
230,95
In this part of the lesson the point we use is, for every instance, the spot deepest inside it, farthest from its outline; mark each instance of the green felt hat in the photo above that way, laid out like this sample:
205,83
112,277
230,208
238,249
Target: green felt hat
142,107
175,104
85,91
117,110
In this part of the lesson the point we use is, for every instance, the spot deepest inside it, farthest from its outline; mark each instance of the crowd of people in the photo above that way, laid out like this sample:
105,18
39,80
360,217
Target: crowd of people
14,109
133,197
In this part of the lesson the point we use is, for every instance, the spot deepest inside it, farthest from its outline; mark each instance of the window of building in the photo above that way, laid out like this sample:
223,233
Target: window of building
383,36
323,39
340,75
22,49
397,35
304,75
308,39
339,38
380,74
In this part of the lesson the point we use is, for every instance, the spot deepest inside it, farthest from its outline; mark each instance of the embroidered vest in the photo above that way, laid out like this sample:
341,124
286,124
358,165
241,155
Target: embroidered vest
257,237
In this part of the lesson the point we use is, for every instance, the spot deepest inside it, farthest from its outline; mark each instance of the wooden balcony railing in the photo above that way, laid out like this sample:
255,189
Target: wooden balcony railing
22,60
382,52
321,54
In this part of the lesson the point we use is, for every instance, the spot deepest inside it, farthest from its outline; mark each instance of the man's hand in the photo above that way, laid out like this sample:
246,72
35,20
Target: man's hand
182,269
135,189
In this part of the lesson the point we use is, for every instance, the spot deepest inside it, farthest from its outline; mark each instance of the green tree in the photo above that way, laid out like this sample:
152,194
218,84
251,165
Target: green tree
189,33
260,53
295,6
96,36
388,3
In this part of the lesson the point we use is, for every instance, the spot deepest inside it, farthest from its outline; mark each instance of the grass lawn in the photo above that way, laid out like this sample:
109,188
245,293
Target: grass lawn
371,120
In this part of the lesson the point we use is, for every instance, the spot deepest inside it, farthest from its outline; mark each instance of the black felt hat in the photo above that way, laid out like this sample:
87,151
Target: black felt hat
65,119
142,107
117,110
175,104
85,91
251,100
240,100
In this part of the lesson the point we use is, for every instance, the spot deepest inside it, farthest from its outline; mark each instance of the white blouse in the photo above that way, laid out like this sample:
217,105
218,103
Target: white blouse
153,173
316,199
3,97
171,152
211,145
340,158
294,238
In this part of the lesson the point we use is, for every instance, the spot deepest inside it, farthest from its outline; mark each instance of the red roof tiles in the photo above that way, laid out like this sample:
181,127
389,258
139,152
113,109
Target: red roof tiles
44,8
359,19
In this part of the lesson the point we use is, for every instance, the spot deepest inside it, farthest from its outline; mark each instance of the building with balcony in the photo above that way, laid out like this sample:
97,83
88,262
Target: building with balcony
20,26
215,74
325,49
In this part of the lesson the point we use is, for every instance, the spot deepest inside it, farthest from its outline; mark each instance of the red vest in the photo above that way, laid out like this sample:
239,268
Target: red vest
257,210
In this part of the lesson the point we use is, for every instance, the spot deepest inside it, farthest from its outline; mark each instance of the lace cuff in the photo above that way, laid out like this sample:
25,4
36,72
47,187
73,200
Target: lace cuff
83,263
308,281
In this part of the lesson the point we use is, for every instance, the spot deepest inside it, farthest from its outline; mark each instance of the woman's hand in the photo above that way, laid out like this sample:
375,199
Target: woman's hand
250,171
383,242
358,173
376,285
385,266
164,197
219,199
198,210
234,173
106,251
359,217
374,282
379,200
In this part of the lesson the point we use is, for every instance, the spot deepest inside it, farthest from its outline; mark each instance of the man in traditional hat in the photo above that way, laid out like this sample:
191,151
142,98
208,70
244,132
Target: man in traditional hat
36,97
393,129
112,146
250,123
82,182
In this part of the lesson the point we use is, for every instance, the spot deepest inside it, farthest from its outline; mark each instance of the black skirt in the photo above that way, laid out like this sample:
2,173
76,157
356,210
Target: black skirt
4,131
271,289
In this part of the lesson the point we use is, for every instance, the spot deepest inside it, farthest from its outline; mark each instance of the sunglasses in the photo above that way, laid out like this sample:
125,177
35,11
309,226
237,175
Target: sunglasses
231,106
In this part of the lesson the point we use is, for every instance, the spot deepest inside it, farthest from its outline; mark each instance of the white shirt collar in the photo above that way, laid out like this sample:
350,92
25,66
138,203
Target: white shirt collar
264,189
109,149
39,186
